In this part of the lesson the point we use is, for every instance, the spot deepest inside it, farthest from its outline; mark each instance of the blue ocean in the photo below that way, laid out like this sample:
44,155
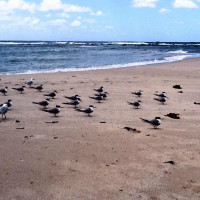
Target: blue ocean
29,57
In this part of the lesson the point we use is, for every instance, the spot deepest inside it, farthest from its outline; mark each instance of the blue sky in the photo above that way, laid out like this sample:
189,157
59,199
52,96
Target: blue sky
101,20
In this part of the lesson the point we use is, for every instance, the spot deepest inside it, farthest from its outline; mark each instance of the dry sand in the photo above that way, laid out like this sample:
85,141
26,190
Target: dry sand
80,158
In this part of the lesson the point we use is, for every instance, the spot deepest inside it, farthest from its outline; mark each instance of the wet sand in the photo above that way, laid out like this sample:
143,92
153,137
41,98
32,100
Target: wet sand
95,158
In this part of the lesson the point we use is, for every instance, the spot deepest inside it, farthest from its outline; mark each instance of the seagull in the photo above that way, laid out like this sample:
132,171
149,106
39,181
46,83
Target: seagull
75,97
4,91
4,110
100,90
88,110
154,122
74,102
139,93
20,89
162,99
163,94
39,87
44,103
98,98
136,104
29,83
54,111
51,94
104,95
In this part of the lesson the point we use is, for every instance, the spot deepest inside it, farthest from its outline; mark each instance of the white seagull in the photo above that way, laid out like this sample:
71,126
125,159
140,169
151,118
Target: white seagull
29,83
4,110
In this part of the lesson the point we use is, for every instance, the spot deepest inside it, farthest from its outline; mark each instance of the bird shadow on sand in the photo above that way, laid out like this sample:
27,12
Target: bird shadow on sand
155,128
5,120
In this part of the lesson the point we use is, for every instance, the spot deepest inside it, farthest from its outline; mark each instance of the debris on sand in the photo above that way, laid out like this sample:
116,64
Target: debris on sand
132,129
177,87
173,115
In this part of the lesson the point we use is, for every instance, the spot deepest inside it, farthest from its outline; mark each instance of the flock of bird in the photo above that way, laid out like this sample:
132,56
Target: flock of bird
76,100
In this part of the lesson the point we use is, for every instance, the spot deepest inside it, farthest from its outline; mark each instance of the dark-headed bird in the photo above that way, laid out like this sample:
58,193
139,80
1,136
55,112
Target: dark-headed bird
88,110
44,103
163,94
136,104
97,98
154,122
39,88
51,94
104,95
99,90
20,89
139,93
53,111
75,97
4,90
9,103
161,99
75,103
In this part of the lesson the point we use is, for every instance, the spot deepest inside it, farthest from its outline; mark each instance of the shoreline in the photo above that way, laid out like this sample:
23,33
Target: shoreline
95,158
68,70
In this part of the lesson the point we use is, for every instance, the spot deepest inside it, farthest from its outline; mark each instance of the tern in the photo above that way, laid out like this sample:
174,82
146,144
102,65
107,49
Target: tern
88,110
39,88
74,102
51,94
20,89
54,111
4,110
98,98
44,103
136,104
154,122
4,90
75,97
29,83
139,93
104,95
163,94
162,99
9,103
100,90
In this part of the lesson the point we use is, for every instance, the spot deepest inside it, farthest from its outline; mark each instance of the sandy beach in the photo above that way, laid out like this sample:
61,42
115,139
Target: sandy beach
95,158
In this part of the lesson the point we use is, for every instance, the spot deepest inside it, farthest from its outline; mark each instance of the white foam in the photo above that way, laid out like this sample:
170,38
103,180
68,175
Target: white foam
77,43
61,43
133,64
178,52
132,43
177,58
23,43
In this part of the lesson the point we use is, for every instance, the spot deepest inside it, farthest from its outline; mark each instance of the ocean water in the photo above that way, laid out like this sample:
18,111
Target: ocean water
25,57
